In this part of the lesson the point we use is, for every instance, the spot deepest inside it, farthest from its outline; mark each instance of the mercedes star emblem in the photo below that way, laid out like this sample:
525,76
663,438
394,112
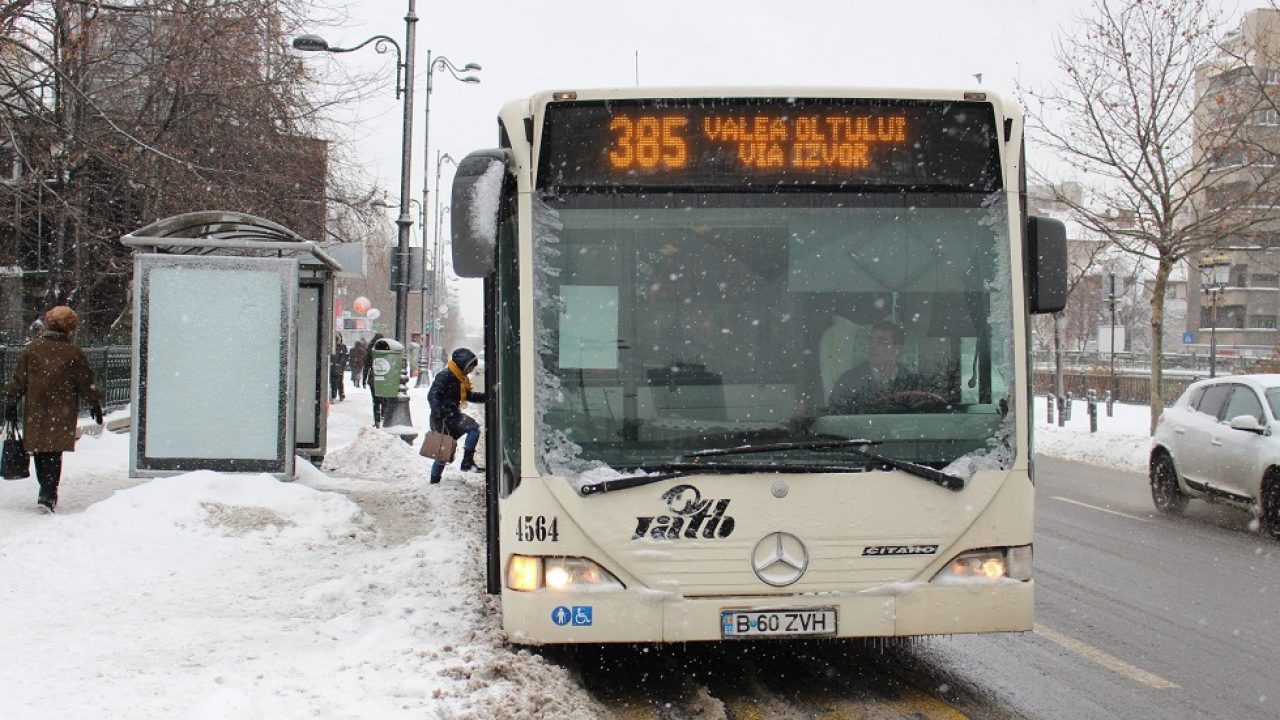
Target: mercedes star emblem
779,559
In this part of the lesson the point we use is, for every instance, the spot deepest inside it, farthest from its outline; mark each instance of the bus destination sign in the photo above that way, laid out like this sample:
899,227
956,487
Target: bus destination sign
727,142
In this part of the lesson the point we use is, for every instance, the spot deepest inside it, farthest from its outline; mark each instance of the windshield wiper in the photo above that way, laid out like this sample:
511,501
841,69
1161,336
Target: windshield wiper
946,480
675,470
781,446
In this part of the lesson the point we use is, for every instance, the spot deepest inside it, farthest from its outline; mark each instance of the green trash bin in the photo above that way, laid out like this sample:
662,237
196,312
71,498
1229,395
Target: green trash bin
387,358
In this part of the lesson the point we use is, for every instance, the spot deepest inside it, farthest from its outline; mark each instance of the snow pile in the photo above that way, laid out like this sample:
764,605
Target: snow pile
377,455
209,503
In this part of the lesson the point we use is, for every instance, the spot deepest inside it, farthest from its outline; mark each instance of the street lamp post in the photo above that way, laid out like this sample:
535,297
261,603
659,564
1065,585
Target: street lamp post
1214,273
397,414
442,63
437,271
1111,301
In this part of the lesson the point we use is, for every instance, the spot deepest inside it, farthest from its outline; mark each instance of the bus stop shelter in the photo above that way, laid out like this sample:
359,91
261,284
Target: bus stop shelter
232,329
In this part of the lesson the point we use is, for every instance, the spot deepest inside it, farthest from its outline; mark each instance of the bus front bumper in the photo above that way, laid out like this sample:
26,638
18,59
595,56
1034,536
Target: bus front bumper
640,616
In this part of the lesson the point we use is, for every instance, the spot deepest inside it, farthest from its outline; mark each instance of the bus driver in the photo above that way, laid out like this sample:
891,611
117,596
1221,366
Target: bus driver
882,383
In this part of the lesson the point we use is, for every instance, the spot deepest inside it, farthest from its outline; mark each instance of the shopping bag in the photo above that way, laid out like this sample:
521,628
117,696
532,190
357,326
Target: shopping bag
16,463
438,446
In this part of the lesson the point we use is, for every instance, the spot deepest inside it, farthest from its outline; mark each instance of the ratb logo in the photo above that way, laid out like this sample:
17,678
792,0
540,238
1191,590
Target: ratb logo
690,517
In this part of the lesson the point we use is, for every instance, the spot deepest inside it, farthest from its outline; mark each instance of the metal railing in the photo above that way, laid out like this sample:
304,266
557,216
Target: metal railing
1194,363
112,371
1135,389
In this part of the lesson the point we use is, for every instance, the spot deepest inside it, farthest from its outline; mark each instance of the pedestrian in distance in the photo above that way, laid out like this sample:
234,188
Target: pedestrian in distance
52,375
367,376
450,392
337,363
359,355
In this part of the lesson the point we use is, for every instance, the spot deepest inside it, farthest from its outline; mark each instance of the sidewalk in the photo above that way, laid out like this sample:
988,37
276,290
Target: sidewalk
1122,441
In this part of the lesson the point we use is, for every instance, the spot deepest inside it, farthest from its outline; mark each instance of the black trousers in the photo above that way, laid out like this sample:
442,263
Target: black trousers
48,473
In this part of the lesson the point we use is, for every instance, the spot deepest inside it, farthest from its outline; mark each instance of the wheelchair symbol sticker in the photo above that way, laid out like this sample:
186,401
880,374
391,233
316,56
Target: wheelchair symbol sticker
579,615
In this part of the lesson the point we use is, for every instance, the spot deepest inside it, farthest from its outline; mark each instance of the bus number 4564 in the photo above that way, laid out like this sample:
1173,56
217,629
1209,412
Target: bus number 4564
531,528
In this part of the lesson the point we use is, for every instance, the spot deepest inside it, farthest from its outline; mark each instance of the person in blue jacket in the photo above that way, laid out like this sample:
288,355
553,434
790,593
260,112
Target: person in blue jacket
450,392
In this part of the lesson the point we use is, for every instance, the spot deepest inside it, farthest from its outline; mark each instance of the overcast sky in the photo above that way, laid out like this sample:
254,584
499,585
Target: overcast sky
550,44
525,47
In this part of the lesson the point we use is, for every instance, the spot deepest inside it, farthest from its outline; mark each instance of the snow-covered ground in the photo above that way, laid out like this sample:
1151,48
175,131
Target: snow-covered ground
1122,441
355,592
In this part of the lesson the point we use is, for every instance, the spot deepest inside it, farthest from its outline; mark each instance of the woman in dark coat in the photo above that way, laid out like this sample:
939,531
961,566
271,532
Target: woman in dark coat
449,393
52,374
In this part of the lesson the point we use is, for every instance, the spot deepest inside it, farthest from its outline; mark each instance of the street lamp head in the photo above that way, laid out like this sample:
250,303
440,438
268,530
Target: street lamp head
1222,272
310,43
444,63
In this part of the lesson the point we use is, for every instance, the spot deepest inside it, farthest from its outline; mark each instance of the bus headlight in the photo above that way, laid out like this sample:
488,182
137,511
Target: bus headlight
992,564
524,573
527,573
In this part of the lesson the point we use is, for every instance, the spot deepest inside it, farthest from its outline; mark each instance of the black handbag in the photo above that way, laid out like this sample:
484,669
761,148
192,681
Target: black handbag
16,463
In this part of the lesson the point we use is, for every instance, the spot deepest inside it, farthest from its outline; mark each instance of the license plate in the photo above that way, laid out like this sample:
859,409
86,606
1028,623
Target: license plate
777,623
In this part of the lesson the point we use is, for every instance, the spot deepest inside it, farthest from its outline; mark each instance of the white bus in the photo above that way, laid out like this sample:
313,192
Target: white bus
757,362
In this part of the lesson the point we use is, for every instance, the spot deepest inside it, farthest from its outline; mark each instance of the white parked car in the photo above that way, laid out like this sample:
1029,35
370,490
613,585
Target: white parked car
1219,442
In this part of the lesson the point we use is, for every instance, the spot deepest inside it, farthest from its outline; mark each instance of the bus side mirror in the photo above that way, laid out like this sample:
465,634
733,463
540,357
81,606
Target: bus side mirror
1046,262
473,214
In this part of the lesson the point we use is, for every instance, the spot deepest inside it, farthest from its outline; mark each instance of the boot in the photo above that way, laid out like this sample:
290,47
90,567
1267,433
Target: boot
437,472
469,462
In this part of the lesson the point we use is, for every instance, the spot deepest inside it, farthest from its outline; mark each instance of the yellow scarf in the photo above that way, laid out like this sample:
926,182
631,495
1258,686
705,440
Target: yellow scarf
464,386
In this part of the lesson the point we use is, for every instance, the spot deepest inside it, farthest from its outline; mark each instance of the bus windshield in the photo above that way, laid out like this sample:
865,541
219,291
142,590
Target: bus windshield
673,322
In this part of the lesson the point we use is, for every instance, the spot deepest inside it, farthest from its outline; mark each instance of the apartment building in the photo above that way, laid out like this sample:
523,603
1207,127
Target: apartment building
1249,304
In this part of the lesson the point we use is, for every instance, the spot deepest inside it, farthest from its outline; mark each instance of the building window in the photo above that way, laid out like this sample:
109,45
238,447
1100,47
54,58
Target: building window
1268,116
1263,280
1265,322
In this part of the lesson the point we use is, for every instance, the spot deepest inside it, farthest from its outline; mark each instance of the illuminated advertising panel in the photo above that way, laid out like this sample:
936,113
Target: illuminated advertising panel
762,144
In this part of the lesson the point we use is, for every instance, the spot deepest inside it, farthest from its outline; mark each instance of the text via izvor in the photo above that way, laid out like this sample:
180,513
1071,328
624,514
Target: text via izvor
578,615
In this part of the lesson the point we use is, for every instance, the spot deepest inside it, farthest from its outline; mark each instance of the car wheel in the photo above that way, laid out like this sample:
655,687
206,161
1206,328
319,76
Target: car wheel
1271,504
1165,493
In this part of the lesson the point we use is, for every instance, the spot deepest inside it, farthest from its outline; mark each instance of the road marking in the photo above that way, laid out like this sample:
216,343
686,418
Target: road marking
1101,509
1104,659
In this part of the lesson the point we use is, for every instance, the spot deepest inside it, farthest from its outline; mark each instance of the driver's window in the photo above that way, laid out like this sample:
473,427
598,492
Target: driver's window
1243,402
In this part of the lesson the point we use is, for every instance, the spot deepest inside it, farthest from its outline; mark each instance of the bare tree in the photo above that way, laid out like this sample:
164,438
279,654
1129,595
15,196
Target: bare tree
114,114
1129,116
